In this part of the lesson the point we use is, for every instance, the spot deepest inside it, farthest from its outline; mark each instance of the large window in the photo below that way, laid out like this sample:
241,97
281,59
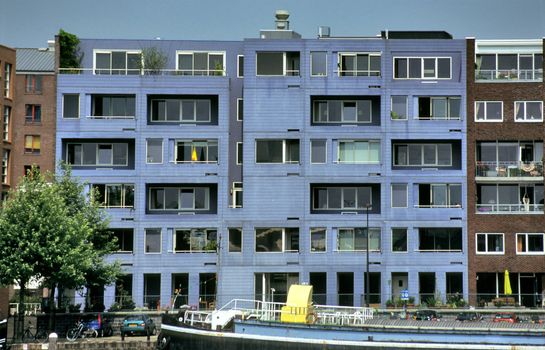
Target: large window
32,144
442,239
125,239
113,106
399,108
277,239
152,240
510,198
118,62
97,154
359,151
240,66
422,68
70,106
509,66
530,243
529,111
440,196
318,63
439,108
488,111
341,198
239,154
399,196
277,63
277,151
318,152
240,109
510,159
195,240
355,239
33,84
154,151
6,132
342,111
359,64
318,239
235,240
33,113
399,240
419,155
181,110
7,79
236,195
201,63
490,243
114,195
179,198
196,151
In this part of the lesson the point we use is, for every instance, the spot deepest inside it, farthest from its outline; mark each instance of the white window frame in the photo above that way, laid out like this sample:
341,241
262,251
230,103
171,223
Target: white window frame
236,186
79,105
97,144
485,120
325,156
392,240
238,65
162,150
160,240
208,141
127,52
326,66
392,195
284,152
8,71
422,155
239,119
180,120
447,99
355,54
353,141
179,209
353,229
422,67
284,65
356,188
193,52
283,250
406,107
204,229
121,251
310,241
525,120
526,234
486,234
5,166
241,240
6,124
342,121
238,161
123,194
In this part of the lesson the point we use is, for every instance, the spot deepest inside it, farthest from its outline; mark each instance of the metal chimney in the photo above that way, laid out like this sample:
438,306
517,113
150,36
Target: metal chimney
324,32
282,22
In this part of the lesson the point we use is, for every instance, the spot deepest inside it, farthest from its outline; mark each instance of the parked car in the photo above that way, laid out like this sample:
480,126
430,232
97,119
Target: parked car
469,316
426,315
138,324
103,326
506,317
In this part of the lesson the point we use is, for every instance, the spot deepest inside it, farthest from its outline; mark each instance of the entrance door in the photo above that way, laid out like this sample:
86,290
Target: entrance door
529,293
400,281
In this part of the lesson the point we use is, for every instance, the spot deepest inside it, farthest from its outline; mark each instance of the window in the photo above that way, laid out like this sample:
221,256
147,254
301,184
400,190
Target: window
5,167
235,240
236,194
154,151
529,111
28,168
509,66
440,239
125,240
509,159
399,108
490,243
277,63
399,196
361,64
32,144
276,240
422,68
488,111
7,80
277,151
6,124
200,63
152,240
240,66
33,113
179,198
70,106
114,195
341,198
118,62
440,196
318,239
438,108
196,151
342,111
113,106
359,151
355,239
530,243
240,109
33,84
180,110
195,240
423,154
318,63
239,153
318,153
97,154
399,240
510,198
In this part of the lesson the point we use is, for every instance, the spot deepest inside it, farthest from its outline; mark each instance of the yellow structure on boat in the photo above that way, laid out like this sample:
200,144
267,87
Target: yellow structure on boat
298,307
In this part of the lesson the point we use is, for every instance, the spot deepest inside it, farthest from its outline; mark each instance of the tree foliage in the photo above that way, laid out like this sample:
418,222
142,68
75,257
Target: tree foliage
153,60
70,55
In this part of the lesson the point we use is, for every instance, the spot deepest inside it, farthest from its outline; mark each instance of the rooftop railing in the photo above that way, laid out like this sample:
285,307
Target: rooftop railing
509,208
509,74
509,169
167,72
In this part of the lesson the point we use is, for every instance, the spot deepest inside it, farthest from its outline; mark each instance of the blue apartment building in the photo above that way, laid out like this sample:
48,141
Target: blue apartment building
239,168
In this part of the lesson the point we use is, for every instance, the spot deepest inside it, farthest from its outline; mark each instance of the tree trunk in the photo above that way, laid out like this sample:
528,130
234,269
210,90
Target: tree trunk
21,314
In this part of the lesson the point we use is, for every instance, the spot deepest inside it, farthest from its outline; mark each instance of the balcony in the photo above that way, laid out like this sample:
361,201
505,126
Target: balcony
161,72
509,171
510,209
509,75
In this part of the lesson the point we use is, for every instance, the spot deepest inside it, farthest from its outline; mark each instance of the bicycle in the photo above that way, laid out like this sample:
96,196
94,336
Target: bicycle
81,330
40,335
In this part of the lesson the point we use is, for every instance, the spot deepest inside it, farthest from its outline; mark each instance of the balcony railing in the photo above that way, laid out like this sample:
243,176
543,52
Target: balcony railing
509,74
168,72
509,169
358,73
457,206
510,208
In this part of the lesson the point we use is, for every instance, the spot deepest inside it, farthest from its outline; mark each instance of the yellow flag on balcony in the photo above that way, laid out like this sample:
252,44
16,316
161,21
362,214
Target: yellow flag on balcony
507,284
194,155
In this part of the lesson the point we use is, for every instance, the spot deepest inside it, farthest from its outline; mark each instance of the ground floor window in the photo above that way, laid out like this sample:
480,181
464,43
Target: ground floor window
345,288
152,290
274,286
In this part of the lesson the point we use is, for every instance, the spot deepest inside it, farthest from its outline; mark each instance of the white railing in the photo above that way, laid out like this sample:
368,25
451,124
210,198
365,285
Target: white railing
438,206
509,169
358,73
509,74
509,208
194,162
110,117
30,308
183,72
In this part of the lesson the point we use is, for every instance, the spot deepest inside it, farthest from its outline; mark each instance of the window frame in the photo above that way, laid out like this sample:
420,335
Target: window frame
284,241
447,100
122,251
110,70
527,252
485,120
209,72
353,229
487,234
154,118
526,120
236,188
354,142
422,71
240,109
312,249
193,143
434,250
326,66
35,108
97,144
35,139
78,106
147,150
6,162
206,231
422,164
239,153
8,71
160,239
179,209
406,108
392,195
94,98
342,208
392,240
34,87
229,251
124,190
325,150
342,121
239,59
6,124
285,71
284,152
355,72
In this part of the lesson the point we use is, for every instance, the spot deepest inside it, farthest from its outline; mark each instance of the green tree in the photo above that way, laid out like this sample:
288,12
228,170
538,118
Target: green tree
70,55
153,60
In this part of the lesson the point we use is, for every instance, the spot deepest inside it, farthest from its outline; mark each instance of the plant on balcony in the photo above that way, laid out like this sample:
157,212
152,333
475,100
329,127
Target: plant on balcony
153,61
70,55
211,245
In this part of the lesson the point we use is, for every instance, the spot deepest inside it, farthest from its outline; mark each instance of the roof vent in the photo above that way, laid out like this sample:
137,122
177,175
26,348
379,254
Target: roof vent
324,32
282,22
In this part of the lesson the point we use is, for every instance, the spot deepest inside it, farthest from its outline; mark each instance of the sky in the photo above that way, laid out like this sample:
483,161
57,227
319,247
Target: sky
30,23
